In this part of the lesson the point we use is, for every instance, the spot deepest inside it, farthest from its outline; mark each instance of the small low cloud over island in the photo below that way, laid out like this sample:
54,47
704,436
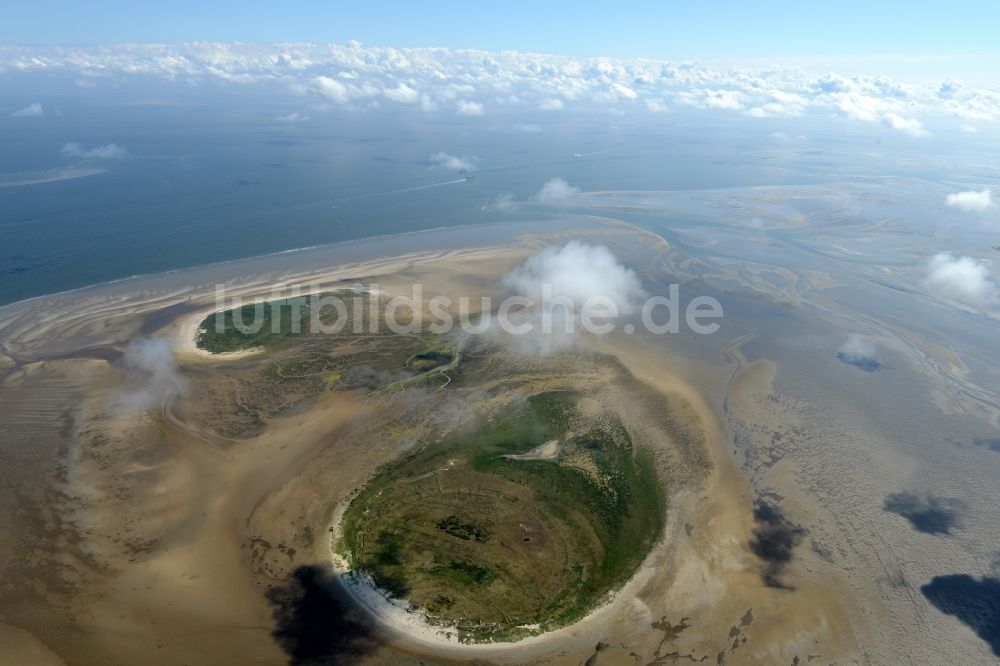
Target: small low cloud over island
859,351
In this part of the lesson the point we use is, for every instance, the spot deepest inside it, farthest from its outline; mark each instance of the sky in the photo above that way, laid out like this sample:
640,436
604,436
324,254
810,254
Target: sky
765,29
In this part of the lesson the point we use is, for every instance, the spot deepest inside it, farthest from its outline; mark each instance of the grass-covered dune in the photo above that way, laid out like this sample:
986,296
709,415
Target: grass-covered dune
480,534
255,325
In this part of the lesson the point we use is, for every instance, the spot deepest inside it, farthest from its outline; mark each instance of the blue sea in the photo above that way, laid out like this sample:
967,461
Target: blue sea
204,181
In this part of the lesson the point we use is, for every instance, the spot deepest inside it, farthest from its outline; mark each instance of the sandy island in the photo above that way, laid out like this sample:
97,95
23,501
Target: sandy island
150,540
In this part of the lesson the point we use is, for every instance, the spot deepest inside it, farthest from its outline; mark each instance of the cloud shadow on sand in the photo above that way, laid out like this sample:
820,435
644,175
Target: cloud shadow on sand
930,515
866,363
974,602
314,623
774,540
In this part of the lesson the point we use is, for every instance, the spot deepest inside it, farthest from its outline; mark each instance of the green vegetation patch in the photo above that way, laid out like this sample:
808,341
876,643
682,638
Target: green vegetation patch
493,545
433,357
464,574
461,530
267,325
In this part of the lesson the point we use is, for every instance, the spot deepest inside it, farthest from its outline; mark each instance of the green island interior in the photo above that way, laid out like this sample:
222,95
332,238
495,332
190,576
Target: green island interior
519,525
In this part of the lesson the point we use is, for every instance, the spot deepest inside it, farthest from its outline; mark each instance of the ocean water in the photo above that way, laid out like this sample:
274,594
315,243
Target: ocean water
204,182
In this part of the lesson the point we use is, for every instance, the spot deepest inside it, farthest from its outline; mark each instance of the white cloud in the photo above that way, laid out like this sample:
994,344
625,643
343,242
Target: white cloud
833,83
623,92
970,201
331,90
577,271
962,277
858,345
776,110
402,94
293,117
910,126
728,100
528,127
858,351
968,129
858,107
550,104
555,192
467,108
152,375
561,282
454,162
781,105
352,75
32,110
105,152
504,203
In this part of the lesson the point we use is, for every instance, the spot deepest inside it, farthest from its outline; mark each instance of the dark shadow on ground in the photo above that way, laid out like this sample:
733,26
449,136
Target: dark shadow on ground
774,539
930,515
314,623
866,363
974,602
991,443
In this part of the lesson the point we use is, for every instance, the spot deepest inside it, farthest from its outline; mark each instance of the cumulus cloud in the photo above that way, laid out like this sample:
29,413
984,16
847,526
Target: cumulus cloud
858,107
454,162
551,104
504,203
468,108
105,152
577,271
910,126
869,108
32,110
968,129
727,100
859,352
622,92
402,94
970,201
555,192
781,105
152,375
346,75
961,277
331,90
561,283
